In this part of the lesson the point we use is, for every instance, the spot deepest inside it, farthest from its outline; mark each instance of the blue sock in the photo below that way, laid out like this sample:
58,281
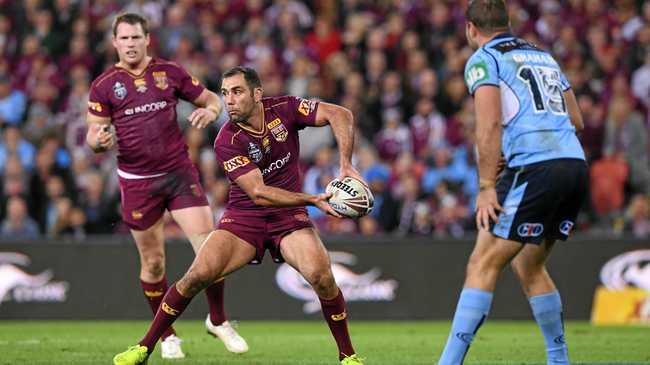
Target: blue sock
473,307
547,309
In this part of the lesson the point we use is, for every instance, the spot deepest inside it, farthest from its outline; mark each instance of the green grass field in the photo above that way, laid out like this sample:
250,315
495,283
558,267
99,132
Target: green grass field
91,342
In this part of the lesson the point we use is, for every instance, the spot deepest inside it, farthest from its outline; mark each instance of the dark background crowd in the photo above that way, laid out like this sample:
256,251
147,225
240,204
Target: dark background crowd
397,64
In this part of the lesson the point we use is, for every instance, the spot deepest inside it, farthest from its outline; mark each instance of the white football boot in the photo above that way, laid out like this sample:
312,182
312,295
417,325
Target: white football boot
170,348
231,339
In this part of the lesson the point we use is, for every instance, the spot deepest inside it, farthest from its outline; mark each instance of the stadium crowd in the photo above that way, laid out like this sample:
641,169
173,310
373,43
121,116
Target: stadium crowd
397,64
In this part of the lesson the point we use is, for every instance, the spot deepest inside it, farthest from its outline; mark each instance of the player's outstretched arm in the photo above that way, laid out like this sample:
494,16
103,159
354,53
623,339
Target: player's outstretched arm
209,108
487,101
574,110
268,196
341,121
99,137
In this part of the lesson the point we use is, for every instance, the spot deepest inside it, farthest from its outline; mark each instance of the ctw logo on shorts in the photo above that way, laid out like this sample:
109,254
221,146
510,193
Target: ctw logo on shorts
366,286
19,286
530,229
235,163
146,108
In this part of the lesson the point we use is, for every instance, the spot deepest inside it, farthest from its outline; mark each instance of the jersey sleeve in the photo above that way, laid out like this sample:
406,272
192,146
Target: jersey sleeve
565,83
303,111
481,69
189,87
233,159
98,103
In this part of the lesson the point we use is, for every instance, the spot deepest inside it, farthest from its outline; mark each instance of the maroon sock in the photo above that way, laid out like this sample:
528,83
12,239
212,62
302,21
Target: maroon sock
154,293
336,317
215,301
173,304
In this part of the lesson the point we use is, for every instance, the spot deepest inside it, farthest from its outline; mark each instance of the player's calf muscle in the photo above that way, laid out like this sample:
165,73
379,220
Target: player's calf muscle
194,281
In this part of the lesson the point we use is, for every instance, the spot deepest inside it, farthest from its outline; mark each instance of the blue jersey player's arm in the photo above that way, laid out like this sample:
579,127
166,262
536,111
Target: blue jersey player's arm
482,78
574,110
575,116
487,105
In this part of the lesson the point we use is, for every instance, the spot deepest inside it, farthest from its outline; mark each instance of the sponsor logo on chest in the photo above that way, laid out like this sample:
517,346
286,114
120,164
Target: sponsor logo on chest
278,164
146,108
278,130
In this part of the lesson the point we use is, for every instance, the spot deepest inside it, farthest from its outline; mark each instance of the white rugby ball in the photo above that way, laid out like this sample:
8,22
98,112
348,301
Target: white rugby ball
350,197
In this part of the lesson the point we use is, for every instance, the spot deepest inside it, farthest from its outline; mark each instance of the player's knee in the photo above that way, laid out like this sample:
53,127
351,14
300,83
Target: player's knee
526,271
480,266
154,265
321,280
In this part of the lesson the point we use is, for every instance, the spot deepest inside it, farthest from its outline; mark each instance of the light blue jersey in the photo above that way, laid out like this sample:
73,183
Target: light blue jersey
536,124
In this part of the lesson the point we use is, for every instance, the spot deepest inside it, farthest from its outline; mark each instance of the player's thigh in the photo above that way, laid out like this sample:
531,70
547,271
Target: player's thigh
150,242
305,252
196,222
491,252
222,253
532,258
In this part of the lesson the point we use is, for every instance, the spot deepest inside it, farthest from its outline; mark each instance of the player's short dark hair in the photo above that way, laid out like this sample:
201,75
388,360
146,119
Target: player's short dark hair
488,16
133,19
250,75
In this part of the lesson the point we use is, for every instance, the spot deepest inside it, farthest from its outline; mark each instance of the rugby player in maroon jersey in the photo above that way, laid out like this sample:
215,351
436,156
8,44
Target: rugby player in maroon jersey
258,149
133,105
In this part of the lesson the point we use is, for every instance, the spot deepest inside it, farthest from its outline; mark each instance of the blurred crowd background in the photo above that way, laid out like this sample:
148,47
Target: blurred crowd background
397,64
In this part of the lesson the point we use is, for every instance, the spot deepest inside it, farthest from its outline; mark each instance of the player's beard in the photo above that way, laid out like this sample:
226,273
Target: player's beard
244,116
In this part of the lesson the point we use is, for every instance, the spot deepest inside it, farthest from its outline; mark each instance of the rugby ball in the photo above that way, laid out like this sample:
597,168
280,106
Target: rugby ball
350,197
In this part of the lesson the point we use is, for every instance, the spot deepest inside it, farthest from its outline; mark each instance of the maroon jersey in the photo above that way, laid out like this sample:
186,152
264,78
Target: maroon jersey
273,150
143,110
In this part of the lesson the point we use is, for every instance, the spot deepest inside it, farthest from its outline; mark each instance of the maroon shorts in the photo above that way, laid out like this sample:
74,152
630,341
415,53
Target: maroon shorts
264,231
144,200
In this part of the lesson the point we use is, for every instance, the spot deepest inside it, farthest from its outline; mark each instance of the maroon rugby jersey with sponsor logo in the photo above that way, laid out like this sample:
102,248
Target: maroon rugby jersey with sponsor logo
273,150
143,110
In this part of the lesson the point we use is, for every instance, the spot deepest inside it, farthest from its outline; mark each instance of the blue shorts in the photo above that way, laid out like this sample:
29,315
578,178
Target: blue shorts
540,200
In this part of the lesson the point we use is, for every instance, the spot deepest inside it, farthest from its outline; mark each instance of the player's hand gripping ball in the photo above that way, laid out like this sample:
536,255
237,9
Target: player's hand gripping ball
350,197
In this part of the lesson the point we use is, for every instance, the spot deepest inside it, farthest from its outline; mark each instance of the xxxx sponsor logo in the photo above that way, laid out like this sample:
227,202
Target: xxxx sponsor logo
339,317
235,163
169,310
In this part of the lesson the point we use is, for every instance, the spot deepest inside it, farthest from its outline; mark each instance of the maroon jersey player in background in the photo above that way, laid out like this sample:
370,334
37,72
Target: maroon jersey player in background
258,149
138,97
